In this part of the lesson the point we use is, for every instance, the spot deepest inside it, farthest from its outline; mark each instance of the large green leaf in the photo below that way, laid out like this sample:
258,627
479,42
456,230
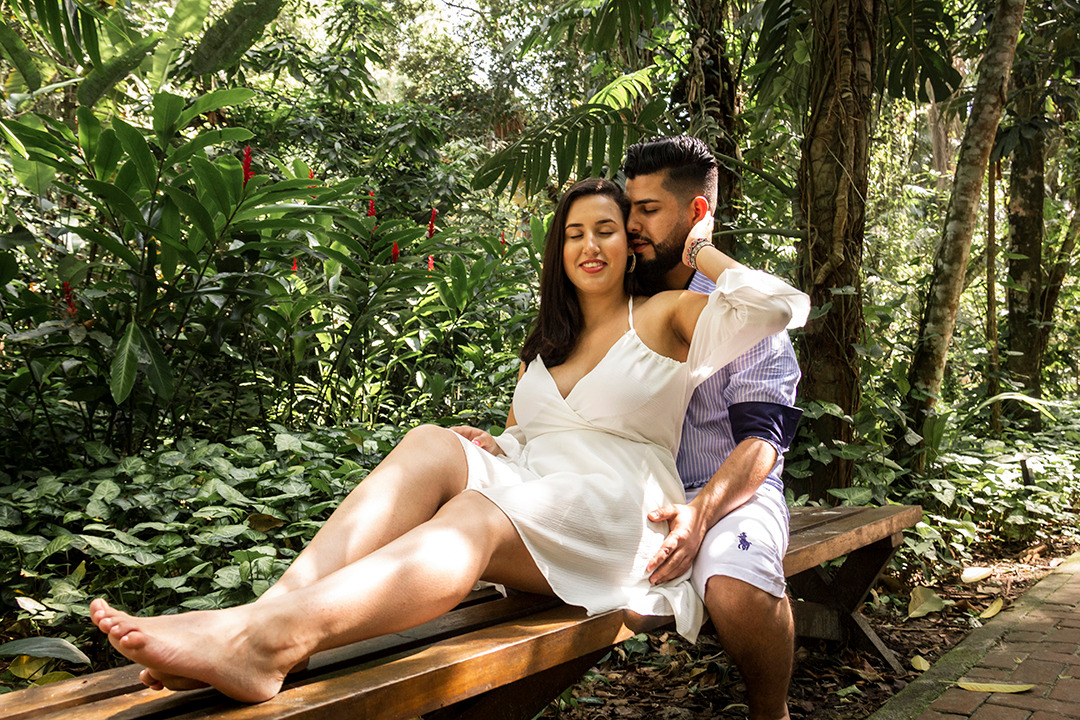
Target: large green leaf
915,49
160,372
233,34
16,144
105,77
187,18
582,140
16,51
44,648
214,101
124,365
139,152
167,109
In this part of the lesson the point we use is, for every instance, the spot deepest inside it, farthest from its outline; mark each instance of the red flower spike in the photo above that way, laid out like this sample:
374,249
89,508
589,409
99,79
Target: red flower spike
394,253
248,172
430,262
69,300
294,264
371,204
310,174
431,223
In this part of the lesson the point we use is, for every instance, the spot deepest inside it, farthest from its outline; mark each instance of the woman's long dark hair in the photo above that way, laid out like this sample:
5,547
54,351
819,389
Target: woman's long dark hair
559,322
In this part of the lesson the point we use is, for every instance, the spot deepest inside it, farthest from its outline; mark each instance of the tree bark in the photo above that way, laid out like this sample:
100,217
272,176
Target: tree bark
1027,194
709,88
993,380
943,299
832,200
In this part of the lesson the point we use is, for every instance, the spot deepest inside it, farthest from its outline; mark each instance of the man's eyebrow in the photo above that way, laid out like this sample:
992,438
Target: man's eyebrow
644,201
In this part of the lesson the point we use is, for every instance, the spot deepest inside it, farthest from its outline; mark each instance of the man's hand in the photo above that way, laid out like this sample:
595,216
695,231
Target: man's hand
686,530
479,438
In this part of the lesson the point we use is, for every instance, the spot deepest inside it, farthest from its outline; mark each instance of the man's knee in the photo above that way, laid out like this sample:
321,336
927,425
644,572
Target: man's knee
734,603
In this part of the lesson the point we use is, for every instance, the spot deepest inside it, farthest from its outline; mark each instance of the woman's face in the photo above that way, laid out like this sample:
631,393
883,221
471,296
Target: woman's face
595,252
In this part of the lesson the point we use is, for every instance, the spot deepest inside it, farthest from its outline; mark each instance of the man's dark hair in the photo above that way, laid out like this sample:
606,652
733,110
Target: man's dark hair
689,163
559,321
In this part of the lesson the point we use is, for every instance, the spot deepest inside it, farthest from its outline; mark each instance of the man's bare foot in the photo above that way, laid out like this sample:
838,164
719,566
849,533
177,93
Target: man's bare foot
228,649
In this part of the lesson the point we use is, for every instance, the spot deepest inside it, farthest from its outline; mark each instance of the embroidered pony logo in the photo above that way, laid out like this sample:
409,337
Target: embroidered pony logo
744,544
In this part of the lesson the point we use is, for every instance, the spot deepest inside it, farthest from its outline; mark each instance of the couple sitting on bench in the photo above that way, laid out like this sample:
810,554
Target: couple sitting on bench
581,496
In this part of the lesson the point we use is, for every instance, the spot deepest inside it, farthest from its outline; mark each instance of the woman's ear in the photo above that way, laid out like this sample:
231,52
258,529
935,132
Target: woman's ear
701,208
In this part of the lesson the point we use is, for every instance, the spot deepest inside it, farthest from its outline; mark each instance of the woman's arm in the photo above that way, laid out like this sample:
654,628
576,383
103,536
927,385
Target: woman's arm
484,439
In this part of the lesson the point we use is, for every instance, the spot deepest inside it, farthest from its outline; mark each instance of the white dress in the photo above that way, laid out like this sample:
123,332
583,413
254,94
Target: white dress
581,472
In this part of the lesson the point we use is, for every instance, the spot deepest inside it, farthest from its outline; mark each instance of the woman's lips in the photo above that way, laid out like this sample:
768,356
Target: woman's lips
593,266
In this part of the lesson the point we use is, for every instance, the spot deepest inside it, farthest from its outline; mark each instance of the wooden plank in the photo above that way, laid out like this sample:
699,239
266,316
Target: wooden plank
119,690
444,673
845,533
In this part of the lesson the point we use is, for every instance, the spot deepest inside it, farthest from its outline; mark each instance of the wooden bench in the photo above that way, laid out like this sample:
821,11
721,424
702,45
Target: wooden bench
495,657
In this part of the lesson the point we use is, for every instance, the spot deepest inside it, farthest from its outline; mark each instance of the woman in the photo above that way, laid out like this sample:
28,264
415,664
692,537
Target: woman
589,445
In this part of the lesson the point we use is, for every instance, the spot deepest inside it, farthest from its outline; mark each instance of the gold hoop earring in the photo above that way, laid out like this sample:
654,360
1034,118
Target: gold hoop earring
633,263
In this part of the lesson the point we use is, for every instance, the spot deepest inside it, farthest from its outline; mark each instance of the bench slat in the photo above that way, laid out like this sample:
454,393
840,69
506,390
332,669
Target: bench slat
844,532
119,689
444,673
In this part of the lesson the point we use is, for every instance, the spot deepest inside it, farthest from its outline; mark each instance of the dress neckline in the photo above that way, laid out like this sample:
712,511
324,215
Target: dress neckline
630,332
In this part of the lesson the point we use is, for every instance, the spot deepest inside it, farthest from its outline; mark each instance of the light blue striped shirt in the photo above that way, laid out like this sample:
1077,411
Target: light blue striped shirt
765,376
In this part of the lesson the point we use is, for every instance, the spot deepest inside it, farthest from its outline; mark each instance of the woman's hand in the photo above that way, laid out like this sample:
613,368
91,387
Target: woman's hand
700,232
479,438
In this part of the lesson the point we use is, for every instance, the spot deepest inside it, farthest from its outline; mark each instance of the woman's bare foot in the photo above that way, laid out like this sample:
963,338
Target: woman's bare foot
229,649
162,681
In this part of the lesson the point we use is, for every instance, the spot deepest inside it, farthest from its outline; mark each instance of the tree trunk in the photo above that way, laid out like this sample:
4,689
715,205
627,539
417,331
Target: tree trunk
832,200
993,380
943,299
1027,193
710,90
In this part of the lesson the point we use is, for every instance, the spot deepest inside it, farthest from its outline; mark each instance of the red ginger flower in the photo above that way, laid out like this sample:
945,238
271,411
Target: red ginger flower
69,299
430,262
394,253
371,204
248,172
294,264
431,223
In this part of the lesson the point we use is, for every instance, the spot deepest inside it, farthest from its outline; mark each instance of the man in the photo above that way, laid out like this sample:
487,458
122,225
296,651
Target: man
734,529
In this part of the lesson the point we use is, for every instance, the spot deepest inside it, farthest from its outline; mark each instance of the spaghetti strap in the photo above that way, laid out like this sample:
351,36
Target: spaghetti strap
632,312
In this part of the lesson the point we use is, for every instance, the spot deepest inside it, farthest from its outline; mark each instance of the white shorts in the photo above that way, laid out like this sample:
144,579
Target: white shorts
747,544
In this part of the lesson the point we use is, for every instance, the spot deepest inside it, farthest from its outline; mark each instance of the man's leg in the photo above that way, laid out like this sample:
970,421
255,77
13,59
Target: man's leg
757,631
739,572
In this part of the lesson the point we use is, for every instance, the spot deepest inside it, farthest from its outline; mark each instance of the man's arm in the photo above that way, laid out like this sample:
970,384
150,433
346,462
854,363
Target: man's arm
735,482
759,395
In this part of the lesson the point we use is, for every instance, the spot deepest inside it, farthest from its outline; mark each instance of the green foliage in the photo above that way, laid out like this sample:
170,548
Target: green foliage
226,41
191,525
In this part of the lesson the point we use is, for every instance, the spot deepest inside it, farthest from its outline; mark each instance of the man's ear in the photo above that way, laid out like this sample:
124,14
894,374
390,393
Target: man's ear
701,208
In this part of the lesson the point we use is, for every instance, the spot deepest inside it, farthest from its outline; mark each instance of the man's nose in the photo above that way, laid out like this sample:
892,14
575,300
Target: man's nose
632,225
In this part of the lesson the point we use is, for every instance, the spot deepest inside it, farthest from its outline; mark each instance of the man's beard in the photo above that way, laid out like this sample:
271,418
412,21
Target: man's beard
649,274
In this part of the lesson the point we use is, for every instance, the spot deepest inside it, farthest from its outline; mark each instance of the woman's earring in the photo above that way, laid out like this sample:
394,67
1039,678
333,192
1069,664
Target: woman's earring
633,263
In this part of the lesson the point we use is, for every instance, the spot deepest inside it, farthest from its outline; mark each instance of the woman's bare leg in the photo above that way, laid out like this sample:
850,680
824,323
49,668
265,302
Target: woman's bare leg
246,651
420,475
424,471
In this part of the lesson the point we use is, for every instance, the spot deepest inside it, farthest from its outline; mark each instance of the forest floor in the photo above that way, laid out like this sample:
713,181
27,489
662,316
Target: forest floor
665,678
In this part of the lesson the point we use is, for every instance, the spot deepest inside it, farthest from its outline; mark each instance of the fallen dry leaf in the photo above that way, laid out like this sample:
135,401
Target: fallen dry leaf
993,687
994,609
923,602
975,574
920,663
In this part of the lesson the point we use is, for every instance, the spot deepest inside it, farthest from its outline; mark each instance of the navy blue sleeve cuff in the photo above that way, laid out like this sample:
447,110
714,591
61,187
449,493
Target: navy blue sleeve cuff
765,420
